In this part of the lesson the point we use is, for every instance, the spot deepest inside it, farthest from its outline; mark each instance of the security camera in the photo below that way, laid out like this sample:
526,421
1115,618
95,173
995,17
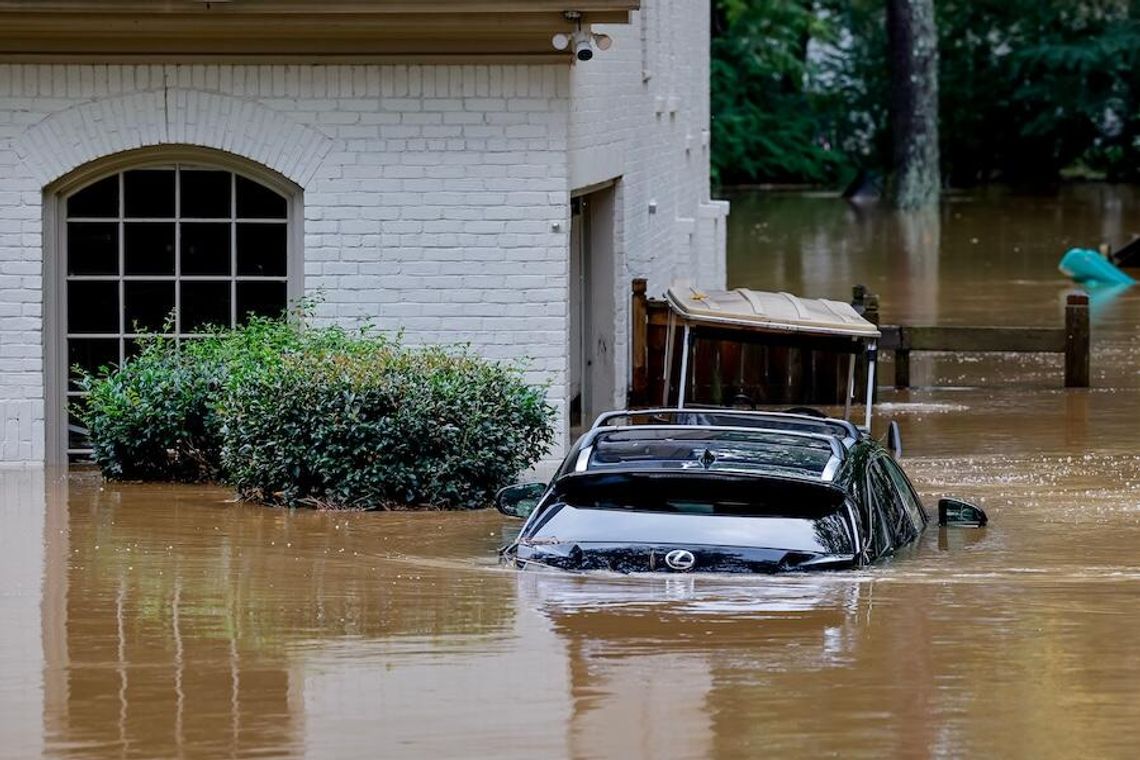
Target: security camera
582,40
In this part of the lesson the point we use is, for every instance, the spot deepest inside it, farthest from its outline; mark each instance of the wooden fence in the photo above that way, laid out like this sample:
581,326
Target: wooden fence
1072,340
790,372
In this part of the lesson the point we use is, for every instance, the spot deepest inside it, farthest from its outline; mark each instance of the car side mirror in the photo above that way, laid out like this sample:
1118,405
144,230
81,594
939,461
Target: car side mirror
520,499
894,439
961,514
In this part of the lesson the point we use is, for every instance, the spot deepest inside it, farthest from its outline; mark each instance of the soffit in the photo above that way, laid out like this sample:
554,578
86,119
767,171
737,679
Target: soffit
294,30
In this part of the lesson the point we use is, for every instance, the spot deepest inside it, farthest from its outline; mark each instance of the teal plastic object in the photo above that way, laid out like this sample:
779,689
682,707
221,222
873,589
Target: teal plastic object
1088,266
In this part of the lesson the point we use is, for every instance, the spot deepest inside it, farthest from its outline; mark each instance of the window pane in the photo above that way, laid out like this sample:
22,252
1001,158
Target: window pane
206,248
149,194
91,354
99,200
147,305
93,307
148,247
92,247
76,430
256,201
263,299
205,195
205,303
261,250
131,348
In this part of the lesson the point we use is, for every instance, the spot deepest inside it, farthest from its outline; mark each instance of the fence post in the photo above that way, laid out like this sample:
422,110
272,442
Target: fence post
1077,340
871,314
902,367
639,344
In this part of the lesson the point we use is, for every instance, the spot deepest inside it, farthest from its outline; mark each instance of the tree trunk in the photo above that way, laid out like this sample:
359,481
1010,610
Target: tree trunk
913,39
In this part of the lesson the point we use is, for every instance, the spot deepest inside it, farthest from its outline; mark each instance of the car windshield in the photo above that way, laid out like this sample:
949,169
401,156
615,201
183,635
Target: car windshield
691,510
713,450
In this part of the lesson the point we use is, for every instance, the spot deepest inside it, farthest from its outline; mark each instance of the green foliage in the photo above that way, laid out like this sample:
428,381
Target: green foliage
324,417
151,419
1029,90
156,417
767,124
367,422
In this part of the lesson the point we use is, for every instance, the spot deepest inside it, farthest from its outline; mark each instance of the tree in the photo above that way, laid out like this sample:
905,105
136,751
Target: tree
1034,90
912,38
1030,91
767,122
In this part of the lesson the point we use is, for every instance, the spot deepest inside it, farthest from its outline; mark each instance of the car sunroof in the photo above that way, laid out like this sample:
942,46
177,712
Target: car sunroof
713,450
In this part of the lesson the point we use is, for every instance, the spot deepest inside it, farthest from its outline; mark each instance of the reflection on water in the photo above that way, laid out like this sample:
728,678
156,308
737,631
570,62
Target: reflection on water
22,538
185,622
142,621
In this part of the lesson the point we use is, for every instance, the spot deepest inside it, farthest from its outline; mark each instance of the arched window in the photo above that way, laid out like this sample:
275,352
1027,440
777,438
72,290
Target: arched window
170,248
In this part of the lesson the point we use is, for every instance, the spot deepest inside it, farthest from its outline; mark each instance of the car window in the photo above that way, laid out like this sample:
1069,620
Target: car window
901,526
699,494
882,512
906,493
819,534
679,448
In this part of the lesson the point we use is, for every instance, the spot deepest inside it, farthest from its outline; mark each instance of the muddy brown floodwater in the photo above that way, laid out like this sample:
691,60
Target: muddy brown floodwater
148,621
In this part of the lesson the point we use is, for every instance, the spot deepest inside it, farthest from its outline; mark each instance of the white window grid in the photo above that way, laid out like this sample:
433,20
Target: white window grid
124,334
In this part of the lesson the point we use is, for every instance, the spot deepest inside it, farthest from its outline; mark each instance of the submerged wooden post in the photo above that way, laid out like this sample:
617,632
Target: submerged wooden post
871,314
871,308
859,303
1077,340
825,385
776,367
902,368
639,344
794,377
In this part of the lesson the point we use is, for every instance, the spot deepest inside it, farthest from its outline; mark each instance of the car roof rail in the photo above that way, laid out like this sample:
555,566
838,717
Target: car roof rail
851,431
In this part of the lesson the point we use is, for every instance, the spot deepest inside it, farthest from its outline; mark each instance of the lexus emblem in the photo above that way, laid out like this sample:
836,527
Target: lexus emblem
680,559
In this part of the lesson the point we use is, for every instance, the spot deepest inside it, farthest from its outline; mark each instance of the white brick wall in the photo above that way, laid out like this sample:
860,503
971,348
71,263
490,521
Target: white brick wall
436,198
430,193
640,114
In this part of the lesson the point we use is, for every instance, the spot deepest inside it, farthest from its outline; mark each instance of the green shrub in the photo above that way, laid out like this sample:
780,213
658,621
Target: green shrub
155,417
152,419
321,417
371,423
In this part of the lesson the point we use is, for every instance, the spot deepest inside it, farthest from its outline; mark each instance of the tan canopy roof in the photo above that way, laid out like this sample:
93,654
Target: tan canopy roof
769,312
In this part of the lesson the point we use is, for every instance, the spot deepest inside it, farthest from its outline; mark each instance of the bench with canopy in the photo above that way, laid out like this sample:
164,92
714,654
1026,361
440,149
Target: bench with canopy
773,318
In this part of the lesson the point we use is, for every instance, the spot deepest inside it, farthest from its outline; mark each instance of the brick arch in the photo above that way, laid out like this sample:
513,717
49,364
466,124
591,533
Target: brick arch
79,135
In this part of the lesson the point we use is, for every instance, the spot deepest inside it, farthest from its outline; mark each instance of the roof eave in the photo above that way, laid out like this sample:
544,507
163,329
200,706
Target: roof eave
446,31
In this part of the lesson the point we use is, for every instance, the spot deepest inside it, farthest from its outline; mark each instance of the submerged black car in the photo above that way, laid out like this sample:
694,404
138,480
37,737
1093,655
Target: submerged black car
720,491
